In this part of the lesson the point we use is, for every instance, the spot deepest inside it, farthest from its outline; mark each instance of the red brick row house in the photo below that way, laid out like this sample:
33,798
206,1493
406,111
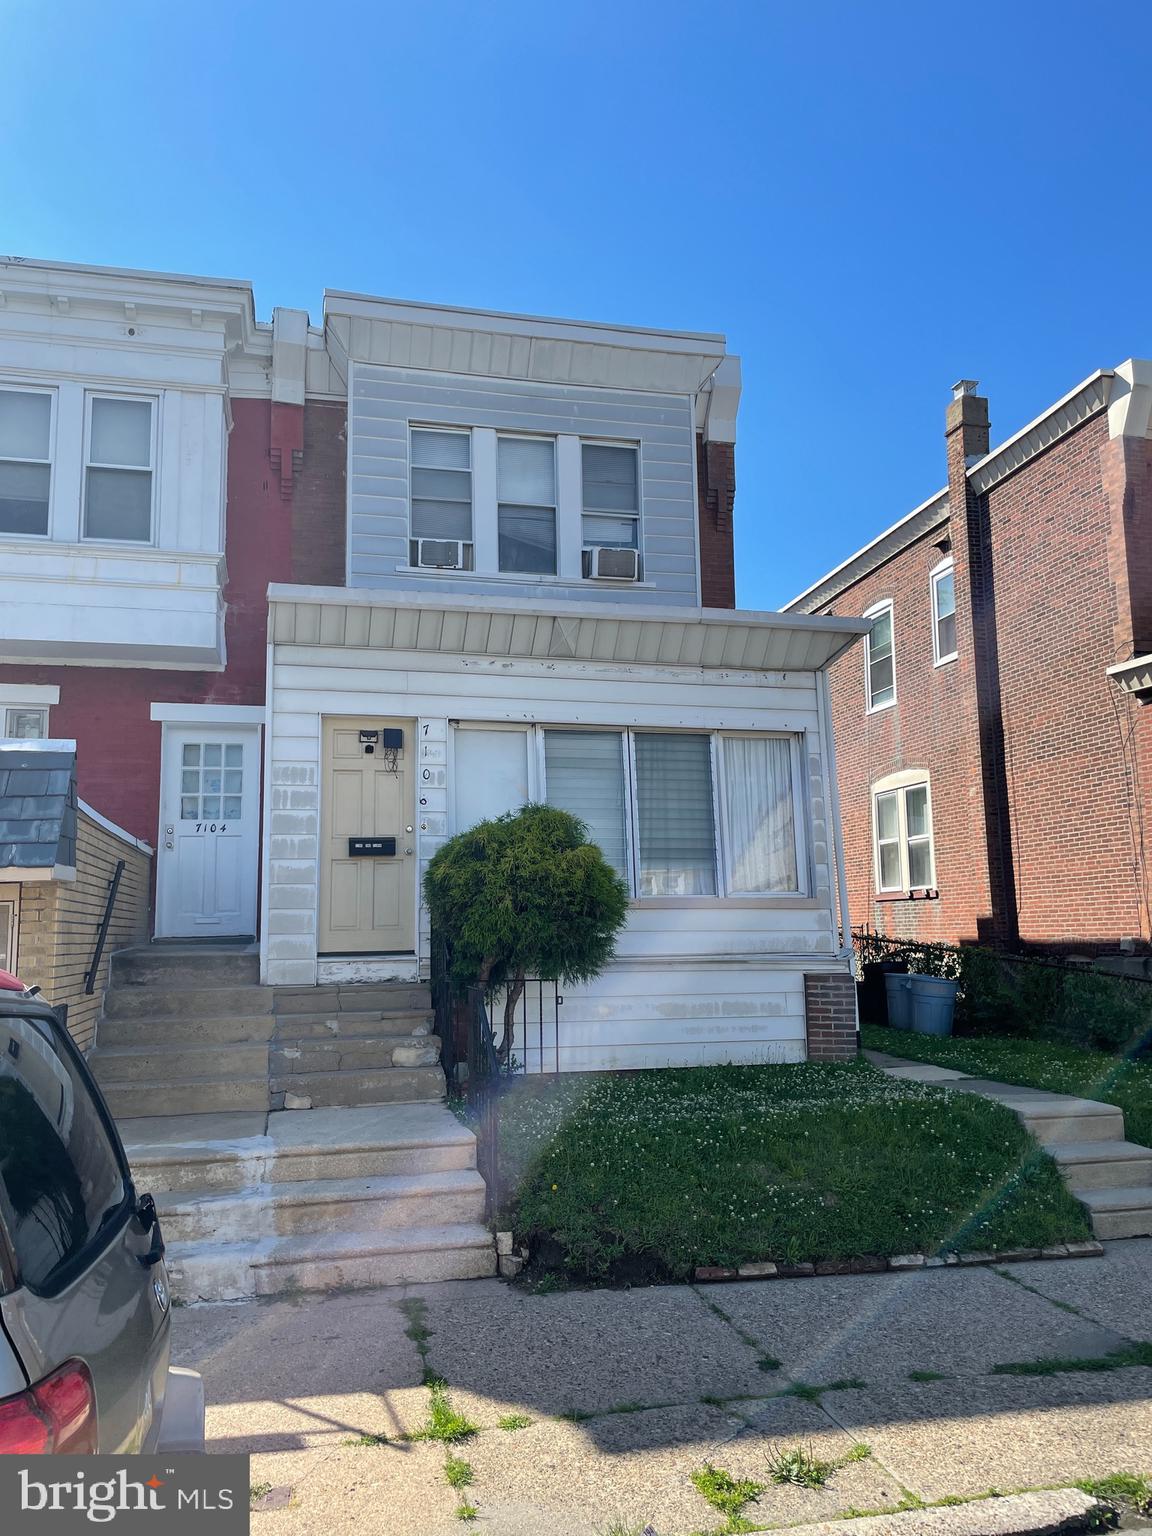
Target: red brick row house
993,736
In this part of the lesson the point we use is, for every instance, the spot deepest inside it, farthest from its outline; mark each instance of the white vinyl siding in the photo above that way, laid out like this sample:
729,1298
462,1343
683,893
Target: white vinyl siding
25,461
880,658
902,835
119,460
944,613
655,430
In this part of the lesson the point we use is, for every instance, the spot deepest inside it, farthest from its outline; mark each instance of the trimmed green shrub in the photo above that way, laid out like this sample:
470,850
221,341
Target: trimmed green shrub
525,894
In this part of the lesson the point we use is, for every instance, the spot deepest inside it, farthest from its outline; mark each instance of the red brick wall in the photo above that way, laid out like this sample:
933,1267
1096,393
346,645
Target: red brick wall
932,725
319,514
1059,542
716,482
107,709
830,1016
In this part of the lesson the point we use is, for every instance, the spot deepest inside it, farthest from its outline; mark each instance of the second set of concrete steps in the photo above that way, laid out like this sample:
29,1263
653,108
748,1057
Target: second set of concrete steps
314,1200
189,1030
1108,1174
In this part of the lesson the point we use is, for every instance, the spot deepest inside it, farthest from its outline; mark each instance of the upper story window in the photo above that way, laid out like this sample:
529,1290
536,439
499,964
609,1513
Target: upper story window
879,658
944,612
517,504
118,466
902,827
526,511
441,498
25,460
611,483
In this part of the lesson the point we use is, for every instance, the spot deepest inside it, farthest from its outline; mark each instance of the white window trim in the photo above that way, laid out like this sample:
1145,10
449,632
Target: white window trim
37,389
934,576
569,506
874,612
898,784
153,468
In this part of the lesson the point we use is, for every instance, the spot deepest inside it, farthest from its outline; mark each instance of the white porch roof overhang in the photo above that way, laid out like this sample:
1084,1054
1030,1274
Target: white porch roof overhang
718,638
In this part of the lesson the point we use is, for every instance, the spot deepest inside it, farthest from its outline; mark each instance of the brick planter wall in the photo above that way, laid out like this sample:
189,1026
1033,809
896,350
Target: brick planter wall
830,1016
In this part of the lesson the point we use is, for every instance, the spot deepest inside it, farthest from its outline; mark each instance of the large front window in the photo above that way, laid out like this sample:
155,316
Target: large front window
684,814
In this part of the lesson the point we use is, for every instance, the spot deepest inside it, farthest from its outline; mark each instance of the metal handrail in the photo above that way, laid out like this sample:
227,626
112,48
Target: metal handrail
102,937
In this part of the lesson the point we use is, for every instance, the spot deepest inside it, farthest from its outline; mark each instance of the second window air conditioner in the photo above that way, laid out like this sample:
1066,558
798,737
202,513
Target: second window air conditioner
611,564
442,554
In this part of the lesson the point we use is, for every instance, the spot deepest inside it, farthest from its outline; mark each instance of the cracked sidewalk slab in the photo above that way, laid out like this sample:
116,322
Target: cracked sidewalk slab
1049,1513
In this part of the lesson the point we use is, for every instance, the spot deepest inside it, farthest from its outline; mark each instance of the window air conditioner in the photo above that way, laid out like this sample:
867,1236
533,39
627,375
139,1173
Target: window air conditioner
611,564
443,554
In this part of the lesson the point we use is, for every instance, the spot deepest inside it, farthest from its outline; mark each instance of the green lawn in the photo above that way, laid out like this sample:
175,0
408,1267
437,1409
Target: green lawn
646,1175
1035,1064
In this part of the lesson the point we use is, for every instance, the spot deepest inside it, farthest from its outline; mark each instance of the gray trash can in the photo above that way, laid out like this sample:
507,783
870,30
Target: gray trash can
896,988
932,1001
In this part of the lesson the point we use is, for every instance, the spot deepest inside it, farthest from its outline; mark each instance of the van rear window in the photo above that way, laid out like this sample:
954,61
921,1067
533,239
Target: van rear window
61,1177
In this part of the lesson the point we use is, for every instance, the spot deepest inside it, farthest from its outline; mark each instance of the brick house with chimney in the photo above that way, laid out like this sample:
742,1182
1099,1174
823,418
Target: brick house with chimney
993,735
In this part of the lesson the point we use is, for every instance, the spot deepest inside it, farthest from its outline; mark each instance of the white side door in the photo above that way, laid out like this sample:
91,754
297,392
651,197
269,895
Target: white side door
209,831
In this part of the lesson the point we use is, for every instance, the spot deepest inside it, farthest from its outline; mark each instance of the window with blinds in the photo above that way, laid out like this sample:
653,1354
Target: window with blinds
676,832
584,774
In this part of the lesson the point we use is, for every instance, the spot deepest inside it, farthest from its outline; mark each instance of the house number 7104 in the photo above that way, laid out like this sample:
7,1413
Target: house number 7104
211,826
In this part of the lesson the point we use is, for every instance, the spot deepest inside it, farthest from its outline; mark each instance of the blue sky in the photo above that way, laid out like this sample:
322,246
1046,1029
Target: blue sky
871,200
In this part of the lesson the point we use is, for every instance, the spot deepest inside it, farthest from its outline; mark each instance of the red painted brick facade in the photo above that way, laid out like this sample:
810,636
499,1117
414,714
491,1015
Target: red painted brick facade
107,709
716,481
1040,768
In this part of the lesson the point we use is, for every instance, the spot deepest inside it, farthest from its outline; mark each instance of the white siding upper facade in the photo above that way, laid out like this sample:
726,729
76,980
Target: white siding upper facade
500,385
114,426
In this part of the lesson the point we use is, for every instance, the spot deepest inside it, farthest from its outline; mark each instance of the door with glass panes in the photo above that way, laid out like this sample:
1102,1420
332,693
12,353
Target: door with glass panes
209,832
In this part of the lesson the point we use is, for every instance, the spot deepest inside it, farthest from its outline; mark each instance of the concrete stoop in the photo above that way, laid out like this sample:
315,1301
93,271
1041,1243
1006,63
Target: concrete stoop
1111,1177
260,1205
190,1030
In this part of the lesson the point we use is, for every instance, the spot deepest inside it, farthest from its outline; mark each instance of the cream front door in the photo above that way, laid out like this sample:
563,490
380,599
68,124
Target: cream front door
368,893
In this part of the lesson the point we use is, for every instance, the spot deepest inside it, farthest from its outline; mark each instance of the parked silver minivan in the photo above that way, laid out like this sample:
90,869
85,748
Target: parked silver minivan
84,1304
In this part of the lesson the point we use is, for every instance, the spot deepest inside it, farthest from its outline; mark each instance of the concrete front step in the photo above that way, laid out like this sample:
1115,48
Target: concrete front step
185,965
1119,1213
1055,1130
1104,1164
146,1029
362,1053
321,1262
152,1062
238,1151
331,1026
186,1002
354,998
372,1085
375,1204
189,1096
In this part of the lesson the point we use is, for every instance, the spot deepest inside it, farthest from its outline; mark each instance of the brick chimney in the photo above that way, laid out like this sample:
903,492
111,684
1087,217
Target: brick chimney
966,434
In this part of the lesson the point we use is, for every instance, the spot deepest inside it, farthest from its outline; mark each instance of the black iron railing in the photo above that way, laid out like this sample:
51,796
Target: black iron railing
102,937
482,1059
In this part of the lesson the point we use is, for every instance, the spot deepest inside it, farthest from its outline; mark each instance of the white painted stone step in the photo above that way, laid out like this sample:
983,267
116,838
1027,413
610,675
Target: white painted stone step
288,1209
1119,1213
1103,1164
321,1262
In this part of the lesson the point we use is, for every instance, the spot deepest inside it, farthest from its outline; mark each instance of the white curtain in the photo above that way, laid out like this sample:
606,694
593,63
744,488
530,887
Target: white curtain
584,774
674,815
761,814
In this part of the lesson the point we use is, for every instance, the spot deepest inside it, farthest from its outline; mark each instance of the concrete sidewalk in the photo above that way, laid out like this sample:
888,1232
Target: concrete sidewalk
628,1392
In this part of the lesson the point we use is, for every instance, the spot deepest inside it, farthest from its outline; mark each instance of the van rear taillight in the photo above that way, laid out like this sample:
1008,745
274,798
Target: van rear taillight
57,1414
